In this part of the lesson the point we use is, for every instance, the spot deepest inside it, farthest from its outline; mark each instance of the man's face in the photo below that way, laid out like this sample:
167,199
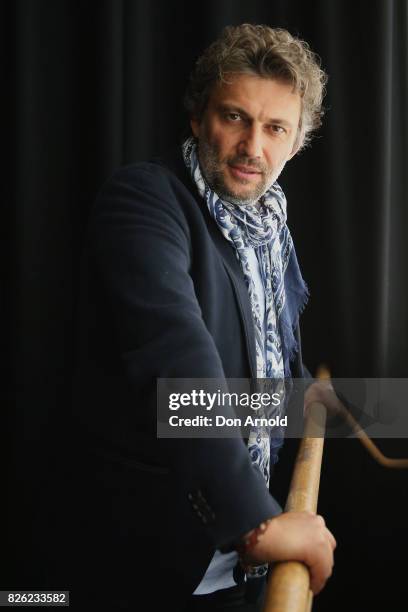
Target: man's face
246,135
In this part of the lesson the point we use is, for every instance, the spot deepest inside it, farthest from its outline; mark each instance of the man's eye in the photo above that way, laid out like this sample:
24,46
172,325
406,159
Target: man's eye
278,129
233,117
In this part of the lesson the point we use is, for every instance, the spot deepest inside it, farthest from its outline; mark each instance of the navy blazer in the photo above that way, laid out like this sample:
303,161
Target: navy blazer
166,297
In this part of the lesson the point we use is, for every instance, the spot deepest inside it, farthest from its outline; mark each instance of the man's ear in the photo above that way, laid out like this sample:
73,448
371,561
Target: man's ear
195,126
296,147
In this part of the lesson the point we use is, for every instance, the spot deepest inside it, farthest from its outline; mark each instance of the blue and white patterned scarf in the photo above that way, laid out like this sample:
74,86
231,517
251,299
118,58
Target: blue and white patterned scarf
263,229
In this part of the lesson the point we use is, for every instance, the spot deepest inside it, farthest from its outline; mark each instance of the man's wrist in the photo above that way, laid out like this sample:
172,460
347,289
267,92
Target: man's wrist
249,541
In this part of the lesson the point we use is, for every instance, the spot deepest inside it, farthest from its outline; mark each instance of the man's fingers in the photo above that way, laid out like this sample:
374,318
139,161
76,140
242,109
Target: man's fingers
321,520
321,559
331,539
321,570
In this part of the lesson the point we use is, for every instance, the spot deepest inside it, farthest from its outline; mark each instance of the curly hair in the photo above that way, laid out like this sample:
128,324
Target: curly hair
266,52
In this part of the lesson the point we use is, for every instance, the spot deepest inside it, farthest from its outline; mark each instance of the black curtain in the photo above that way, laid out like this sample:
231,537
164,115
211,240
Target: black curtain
95,85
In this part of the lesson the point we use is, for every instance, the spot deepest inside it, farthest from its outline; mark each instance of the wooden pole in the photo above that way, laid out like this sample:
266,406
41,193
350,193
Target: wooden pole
369,445
288,586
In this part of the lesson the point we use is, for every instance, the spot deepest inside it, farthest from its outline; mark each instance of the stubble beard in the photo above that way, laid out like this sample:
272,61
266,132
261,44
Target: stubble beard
211,166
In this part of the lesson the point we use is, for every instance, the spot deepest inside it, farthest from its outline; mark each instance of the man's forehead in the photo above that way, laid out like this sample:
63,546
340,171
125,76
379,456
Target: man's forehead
256,94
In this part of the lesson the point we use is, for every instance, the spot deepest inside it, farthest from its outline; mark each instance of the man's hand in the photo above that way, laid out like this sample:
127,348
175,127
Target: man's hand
298,536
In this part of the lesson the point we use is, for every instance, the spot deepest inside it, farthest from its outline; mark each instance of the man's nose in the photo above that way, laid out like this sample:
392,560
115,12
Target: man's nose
251,142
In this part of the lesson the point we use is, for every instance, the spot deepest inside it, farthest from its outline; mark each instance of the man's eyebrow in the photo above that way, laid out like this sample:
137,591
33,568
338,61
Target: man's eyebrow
236,109
232,108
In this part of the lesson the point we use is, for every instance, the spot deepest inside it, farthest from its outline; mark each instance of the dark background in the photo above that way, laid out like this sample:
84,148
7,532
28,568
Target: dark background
95,85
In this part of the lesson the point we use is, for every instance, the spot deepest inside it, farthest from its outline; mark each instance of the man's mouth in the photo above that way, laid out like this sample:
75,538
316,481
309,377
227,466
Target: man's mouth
244,172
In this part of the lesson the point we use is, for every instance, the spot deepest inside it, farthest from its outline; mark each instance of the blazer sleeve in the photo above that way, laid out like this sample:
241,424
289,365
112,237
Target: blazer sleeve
140,242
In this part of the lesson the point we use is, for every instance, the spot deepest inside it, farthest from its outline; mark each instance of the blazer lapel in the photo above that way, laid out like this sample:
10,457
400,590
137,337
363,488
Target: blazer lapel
226,251
234,271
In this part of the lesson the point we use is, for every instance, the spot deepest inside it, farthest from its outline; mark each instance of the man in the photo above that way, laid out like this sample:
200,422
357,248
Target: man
193,274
